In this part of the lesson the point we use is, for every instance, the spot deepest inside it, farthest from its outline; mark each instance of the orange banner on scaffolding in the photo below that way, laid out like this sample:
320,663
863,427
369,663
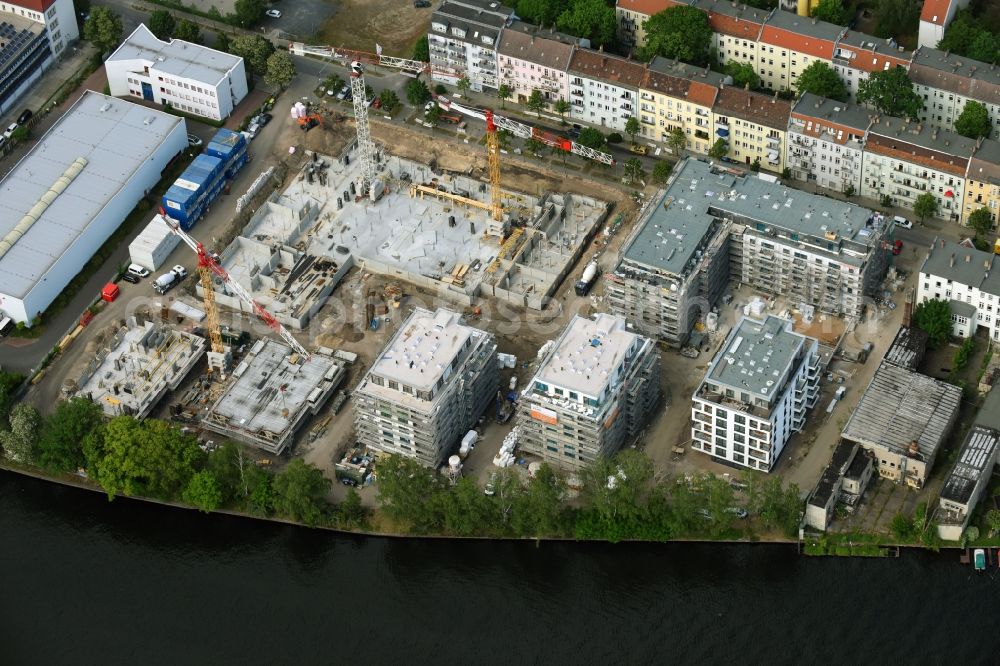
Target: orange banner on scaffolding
544,415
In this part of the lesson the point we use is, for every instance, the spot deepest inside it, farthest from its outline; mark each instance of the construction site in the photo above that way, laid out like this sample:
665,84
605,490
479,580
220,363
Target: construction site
136,367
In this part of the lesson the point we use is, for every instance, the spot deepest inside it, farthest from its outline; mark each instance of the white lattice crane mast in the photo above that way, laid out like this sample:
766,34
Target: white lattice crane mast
207,265
366,146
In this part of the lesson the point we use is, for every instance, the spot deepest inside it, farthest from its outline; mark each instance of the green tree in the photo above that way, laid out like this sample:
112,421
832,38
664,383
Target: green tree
148,458
925,205
433,114
591,138
255,51
280,70
891,92
534,146
540,12
901,528
417,92
536,102
985,47
752,481
407,491
591,19
203,491
19,442
849,190
720,504
222,42
780,508
463,85
249,12
539,510
300,491
162,24
9,381
755,165
262,497
967,36
60,443
981,220
719,149
389,99
350,512
661,172
833,11
974,121
188,31
993,521
632,127
103,29
679,32
677,141
896,17
744,75
933,317
464,508
422,50
503,94
820,79
617,487
562,107
633,170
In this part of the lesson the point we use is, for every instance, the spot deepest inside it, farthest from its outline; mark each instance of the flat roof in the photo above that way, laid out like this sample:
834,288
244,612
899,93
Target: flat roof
976,457
674,228
115,137
423,349
989,412
587,353
177,57
900,406
756,356
832,472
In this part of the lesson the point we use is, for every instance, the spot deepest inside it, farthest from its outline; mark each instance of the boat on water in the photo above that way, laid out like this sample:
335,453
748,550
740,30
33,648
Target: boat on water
979,559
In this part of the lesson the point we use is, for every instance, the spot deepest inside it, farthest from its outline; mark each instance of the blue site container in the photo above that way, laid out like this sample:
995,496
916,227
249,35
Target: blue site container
189,196
231,147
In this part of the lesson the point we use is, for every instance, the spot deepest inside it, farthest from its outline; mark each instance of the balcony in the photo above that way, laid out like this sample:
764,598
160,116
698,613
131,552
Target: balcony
646,120
646,97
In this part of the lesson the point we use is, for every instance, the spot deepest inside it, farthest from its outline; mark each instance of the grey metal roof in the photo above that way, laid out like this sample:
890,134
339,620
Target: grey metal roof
989,412
977,456
907,348
925,136
115,137
177,57
966,310
901,406
956,65
487,17
804,26
842,113
528,42
686,71
757,357
951,261
681,218
842,455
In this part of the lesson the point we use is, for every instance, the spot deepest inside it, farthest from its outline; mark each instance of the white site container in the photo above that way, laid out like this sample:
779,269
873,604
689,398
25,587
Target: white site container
151,248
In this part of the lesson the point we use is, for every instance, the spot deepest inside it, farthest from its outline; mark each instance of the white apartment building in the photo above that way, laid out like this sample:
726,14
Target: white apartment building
604,89
967,278
935,16
596,389
857,55
463,41
904,160
826,141
946,82
188,77
427,387
58,17
757,392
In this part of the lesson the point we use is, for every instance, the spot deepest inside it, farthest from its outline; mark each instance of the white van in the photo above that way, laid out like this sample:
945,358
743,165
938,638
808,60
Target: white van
902,222
6,323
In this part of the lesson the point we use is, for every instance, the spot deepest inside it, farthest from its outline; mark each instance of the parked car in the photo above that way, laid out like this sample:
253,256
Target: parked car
344,92
902,222
638,149
10,130
264,119
6,325
128,277
738,511
273,13
137,270
421,4
24,117
897,247
194,141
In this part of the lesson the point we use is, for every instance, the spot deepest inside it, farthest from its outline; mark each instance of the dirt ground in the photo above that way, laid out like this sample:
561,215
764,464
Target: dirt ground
359,24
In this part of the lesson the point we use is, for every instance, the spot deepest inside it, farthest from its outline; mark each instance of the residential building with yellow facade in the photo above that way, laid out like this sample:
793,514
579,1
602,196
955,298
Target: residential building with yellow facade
736,29
982,182
790,43
632,15
676,95
754,125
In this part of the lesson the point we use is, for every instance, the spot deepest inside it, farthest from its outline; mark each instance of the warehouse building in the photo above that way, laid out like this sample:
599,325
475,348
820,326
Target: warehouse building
902,420
714,222
595,390
68,195
427,388
843,482
186,76
756,393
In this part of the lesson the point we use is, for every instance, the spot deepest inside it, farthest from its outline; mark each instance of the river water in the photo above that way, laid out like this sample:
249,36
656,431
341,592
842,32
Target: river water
83,581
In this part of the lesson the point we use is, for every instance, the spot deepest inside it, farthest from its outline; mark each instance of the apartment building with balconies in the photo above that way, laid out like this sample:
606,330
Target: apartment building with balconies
463,41
674,95
967,279
531,58
736,30
595,390
826,140
757,392
904,160
754,126
789,43
857,55
633,14
604,89
947,81
982,182
427,388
